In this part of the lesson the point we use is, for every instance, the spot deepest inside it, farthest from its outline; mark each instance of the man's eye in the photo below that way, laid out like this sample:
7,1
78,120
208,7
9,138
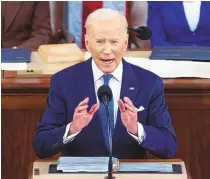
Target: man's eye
114,41
100,41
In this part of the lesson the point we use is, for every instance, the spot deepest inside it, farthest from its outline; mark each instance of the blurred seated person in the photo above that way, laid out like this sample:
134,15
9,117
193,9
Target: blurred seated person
179,23
25,24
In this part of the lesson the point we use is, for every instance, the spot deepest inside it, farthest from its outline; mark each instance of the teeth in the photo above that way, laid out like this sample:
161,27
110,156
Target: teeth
107,61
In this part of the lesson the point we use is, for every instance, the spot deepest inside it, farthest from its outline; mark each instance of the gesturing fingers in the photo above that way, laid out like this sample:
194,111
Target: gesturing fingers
85,101
82,117
83,105
130,108
81,108
121,105
129,105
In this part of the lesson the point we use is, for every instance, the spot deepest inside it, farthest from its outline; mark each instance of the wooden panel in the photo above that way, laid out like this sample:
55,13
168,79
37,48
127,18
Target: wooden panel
171,85
200,143
192,130
188,101
9,74
18,127
24,101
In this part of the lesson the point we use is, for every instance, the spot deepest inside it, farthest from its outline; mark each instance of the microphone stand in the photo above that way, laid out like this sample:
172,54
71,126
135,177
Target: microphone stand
110,164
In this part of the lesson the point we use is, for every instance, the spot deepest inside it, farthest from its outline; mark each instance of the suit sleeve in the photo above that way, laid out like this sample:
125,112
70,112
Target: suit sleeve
156,25
160,139
41,32
48,137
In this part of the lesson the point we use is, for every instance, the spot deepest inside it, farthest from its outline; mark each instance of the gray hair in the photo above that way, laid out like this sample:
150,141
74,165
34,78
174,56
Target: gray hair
105,14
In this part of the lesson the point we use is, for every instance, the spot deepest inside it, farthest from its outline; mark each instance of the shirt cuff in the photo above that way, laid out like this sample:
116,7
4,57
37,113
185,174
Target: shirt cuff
67,139
141,134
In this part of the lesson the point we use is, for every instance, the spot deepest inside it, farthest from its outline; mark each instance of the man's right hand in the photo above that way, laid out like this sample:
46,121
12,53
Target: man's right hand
81,116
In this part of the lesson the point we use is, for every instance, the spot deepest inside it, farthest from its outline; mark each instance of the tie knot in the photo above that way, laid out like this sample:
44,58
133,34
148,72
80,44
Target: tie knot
106,79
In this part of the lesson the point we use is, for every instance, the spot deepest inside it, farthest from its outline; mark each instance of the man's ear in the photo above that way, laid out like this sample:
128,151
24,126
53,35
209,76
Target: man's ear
126,42
86,42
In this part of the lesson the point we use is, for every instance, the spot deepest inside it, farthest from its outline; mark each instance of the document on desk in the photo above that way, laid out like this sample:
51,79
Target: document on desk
182,53
9,55
14,66
202,70
173,69
85,164
61,53
145,167
100,164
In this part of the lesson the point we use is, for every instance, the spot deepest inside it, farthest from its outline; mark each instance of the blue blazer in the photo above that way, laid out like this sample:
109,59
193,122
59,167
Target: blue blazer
71,85
169,25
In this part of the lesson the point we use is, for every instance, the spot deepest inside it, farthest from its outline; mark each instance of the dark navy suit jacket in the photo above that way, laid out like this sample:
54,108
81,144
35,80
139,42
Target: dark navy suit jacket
169,25
72,85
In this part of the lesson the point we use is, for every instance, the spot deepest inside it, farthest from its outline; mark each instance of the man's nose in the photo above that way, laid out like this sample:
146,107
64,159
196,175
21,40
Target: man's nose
107,48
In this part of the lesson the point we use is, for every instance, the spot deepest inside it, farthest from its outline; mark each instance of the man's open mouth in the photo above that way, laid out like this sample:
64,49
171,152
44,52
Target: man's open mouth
107,61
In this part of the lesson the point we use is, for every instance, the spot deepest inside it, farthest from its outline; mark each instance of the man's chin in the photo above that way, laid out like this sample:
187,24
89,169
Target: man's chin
108,70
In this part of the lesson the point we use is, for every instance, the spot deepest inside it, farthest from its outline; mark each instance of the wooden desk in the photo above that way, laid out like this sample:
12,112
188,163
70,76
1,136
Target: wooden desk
43,166
23,103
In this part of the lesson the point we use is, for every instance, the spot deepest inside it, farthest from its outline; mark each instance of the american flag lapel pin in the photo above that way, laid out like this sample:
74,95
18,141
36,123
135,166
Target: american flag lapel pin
131,88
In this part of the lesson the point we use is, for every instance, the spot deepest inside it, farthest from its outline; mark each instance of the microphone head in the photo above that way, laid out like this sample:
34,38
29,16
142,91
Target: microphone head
144,33
104,92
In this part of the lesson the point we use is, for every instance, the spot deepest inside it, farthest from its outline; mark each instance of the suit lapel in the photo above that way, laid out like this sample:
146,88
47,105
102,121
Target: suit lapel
86,88
130,82
129,88
11,10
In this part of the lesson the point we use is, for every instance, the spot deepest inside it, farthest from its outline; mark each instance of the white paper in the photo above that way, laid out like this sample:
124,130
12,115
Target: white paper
173,69
14,66
146,167
84,164
100,164
202,70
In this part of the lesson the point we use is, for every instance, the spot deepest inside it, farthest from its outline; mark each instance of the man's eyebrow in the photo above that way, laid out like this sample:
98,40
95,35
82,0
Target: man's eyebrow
109,39
99,38
114,38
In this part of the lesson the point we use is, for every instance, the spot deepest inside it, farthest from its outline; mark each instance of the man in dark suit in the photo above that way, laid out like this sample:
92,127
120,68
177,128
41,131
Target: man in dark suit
73,122
25,24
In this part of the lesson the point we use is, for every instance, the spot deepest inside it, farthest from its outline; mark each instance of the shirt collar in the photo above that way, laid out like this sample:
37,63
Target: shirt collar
97,73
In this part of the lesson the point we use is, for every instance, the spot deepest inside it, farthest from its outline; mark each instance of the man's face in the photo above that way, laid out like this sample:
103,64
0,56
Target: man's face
107,41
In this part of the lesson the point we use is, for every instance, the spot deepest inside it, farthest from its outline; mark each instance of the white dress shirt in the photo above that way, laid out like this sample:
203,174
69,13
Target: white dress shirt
192,13
115,85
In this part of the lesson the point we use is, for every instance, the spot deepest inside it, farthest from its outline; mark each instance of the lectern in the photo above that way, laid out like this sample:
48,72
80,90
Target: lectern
40,168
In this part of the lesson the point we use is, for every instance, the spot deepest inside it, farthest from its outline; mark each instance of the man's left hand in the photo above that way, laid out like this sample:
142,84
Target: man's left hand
128,115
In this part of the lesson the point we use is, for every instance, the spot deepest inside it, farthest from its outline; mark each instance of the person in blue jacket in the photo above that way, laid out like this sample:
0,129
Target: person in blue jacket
179,23
74,122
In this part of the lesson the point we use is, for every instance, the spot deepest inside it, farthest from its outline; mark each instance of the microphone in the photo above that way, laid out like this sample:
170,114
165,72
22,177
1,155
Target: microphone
142,32
105,96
